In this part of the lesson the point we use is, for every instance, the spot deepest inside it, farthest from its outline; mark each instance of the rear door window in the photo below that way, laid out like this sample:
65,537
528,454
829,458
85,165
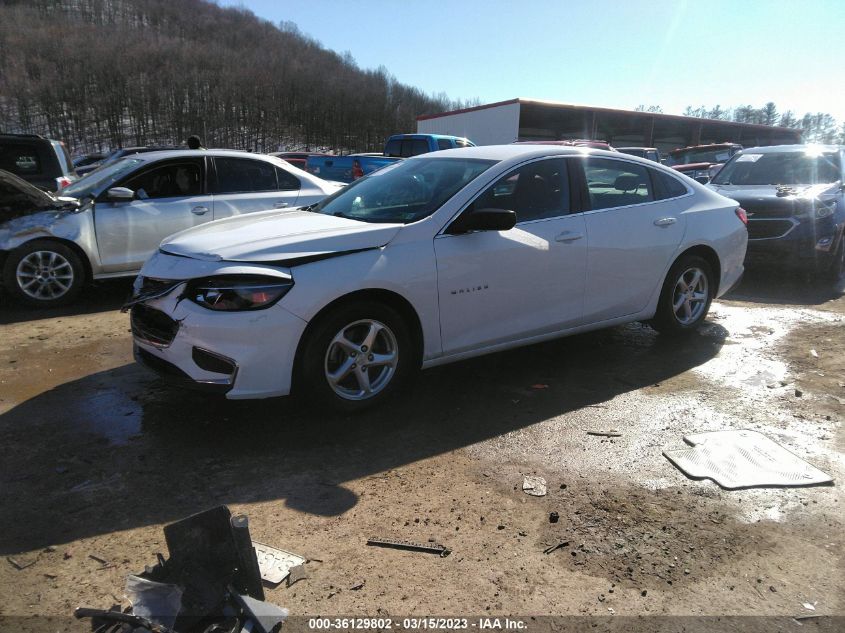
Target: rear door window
615,183
666,186
287,181
244,175
444,143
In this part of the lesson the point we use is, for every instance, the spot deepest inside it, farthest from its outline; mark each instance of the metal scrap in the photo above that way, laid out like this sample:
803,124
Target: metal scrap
557,546
19,565
275,564
432,548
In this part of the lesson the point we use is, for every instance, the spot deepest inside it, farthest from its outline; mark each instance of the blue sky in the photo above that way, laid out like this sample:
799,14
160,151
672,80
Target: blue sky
613,53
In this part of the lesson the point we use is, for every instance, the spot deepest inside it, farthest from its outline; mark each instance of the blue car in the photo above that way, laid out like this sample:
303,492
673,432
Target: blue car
795,201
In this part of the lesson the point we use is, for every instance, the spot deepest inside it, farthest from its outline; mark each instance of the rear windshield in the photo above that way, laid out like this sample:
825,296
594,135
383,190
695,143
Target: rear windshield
782,168
405,191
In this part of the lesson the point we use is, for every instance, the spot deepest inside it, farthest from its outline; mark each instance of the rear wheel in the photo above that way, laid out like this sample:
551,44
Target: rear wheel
44,274
686,296
357,356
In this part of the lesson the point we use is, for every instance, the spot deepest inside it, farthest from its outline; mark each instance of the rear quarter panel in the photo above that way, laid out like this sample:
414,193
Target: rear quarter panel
712,221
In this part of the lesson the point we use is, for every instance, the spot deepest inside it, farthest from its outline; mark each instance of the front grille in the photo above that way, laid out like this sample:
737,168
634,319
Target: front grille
768,229
152,326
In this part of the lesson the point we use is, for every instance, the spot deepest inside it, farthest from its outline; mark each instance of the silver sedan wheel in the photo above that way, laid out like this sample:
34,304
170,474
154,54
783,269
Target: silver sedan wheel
361,360
689,299
44,275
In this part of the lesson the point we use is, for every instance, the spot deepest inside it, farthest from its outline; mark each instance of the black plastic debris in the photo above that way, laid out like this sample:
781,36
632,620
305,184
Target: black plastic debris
213,563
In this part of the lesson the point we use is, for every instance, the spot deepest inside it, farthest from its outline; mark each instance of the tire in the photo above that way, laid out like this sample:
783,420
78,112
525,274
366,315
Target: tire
690,313
43,274
356,386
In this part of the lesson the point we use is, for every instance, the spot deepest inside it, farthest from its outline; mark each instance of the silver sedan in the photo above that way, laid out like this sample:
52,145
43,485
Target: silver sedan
108,223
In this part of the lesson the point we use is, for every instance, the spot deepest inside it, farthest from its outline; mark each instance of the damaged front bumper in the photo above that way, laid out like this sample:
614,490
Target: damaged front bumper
239,354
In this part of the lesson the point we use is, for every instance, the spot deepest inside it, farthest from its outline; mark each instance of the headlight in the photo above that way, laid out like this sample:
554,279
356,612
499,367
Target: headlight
824,210
237,292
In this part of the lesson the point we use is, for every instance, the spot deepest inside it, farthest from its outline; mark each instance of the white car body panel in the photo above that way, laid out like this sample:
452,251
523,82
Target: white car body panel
621,280
263,236
483,275
519,286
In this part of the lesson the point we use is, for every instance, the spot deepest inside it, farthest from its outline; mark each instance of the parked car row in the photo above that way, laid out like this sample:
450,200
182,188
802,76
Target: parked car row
701,162
429,259
397,147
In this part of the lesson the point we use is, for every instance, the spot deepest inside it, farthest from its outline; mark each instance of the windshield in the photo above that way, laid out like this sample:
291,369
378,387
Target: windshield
95,182
404,192
782,168
687,157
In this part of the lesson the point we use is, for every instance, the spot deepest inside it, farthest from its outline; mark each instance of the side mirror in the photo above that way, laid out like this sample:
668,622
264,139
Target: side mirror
483,220
120,194
703,179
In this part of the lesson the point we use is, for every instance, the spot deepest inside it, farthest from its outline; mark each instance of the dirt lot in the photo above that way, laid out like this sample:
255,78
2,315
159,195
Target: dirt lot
97,455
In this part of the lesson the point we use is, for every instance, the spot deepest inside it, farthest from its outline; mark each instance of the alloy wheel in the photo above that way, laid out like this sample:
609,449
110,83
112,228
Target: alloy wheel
361,359
690,296
44,275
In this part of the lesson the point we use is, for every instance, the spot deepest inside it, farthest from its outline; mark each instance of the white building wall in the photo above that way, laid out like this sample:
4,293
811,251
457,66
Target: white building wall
498,125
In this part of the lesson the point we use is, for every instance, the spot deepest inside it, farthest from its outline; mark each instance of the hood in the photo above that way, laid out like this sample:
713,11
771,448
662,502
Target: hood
764,200
19,198
279,237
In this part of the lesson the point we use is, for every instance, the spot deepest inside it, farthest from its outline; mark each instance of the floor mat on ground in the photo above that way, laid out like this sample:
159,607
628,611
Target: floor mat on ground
743,459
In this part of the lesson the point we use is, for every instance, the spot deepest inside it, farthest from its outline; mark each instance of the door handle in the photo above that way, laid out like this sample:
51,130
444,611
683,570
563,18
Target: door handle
665,222
199,210
280,205
568,236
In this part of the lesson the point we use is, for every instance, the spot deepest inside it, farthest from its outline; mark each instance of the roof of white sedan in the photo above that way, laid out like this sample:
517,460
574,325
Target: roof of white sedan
506,152
190,153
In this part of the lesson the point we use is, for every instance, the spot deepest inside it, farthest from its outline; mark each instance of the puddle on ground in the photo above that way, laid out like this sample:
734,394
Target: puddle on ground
755,330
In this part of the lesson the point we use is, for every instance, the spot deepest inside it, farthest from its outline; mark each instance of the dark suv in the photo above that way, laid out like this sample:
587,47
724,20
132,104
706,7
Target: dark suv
793,195
41,161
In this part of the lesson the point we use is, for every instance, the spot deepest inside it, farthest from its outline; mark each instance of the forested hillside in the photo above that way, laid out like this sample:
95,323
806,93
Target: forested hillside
109,73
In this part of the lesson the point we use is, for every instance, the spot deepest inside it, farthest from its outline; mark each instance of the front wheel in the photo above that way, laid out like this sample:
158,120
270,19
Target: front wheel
43,274
686,296
357,356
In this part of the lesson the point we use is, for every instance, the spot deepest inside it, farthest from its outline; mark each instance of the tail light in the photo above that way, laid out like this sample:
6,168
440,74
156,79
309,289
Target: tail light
740,213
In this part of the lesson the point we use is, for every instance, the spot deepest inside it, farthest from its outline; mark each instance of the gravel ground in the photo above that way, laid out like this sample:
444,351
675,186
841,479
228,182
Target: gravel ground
98,455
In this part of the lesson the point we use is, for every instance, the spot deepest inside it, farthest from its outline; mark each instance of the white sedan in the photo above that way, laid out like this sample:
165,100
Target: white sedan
435,259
